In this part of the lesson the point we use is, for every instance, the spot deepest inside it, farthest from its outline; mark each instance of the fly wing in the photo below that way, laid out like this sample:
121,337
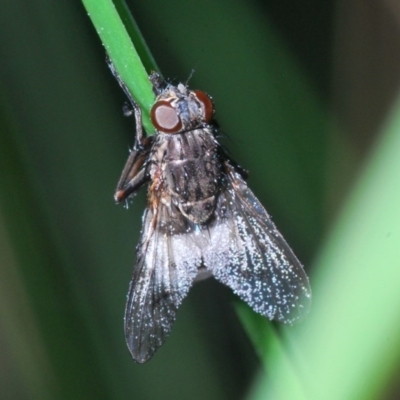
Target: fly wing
248,254
167,263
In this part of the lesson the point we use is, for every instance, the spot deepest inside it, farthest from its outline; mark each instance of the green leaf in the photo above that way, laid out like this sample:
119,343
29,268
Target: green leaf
348,347
123,51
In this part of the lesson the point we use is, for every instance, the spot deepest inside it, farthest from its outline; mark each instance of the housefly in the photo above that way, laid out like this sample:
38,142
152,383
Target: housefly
201,220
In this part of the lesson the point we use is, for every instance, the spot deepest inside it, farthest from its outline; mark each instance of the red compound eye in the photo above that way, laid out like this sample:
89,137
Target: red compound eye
207,103
164,117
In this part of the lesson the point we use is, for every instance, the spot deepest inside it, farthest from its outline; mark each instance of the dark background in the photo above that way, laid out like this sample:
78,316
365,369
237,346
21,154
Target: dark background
300,88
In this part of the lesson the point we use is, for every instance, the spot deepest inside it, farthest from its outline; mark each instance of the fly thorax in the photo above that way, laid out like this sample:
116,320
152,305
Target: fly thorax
191,171
198,211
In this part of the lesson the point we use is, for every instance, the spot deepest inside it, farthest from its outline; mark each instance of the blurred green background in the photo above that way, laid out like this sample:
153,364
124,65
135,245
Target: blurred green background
305,92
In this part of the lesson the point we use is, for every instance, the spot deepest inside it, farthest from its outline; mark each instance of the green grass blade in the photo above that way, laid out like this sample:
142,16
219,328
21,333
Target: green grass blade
348,346
122,51
137,38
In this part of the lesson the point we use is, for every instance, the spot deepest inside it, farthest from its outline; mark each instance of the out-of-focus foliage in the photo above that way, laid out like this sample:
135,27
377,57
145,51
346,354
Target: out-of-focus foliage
300,97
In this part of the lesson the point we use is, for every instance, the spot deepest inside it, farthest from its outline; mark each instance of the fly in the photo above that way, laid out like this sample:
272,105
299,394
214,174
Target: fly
201,220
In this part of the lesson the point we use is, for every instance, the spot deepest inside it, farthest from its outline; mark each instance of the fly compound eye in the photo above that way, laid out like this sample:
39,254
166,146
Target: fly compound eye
207,103
165,118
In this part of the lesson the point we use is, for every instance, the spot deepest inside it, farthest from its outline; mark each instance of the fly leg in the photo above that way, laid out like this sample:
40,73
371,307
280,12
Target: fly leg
130,187
134,174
